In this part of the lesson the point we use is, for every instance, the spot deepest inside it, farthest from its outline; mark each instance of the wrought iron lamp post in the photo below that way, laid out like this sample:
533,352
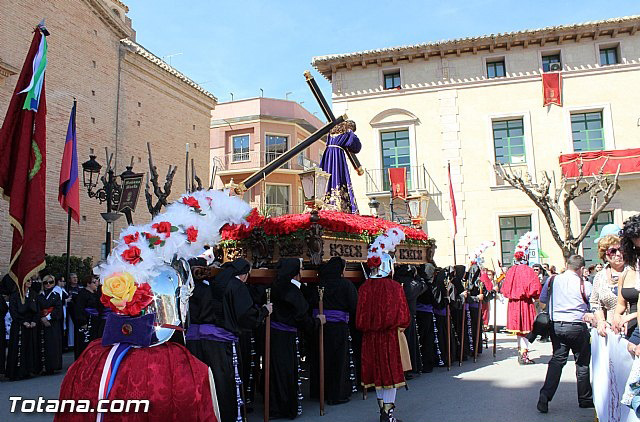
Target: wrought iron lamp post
110,192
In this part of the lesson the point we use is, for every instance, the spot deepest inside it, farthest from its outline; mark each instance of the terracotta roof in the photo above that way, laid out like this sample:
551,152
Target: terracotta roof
324,63
124,6
138,49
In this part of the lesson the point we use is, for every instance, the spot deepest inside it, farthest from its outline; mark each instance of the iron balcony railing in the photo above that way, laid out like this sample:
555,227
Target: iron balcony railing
257,159
418,178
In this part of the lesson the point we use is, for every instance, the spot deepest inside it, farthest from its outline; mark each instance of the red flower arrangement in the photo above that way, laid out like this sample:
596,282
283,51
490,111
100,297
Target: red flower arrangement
374,262
132,255
192,234
131,238
141,299
334,221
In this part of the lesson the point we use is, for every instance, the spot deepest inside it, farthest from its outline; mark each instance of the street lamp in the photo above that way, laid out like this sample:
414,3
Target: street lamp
418,206
374,205
314,187
110,192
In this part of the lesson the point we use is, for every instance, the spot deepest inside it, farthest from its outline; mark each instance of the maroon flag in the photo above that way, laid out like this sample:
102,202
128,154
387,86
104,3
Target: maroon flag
398,179
23,163
552,88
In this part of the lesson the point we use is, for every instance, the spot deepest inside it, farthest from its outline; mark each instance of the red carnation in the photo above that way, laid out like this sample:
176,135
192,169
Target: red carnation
163,227
191,201
192,234
374,262
132,255
374,250
382,245
130,238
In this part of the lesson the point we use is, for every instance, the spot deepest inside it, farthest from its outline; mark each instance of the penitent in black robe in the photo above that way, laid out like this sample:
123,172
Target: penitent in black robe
413,287
22,353
340,295
86,309
445,297
289,308
49,338
432,351
226,303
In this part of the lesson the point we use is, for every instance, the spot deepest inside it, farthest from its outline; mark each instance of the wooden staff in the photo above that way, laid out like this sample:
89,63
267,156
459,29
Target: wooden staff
462,333
448,338
267,359
495,322
321,351
478,325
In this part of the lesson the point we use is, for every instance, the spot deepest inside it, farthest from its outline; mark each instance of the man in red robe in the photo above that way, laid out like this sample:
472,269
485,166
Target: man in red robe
382,311
521,287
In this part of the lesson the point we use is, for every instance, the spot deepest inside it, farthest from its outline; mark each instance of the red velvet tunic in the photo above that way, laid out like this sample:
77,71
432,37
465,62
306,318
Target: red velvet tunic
382,309
175,383
521,287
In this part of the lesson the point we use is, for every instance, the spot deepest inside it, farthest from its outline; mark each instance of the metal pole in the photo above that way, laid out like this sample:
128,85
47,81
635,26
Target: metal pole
321,350
109,189
267,359
68,246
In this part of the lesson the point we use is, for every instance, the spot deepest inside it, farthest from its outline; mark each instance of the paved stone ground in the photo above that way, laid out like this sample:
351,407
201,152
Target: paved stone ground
487,391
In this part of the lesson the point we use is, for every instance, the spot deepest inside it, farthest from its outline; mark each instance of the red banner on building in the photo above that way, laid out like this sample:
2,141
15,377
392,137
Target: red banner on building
592,162
398,179
552,88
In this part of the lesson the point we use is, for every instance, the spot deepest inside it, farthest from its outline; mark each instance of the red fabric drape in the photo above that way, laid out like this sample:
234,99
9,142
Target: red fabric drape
552,88
627,159
382,309
175,383
398,179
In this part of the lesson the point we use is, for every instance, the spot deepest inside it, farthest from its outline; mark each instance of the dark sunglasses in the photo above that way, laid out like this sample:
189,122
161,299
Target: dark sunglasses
48,282
613,251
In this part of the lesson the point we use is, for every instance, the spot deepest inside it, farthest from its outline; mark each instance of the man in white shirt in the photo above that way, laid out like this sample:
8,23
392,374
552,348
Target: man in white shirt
567,298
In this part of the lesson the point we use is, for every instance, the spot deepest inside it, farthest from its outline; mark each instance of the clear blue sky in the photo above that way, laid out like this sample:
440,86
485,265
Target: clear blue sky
244,45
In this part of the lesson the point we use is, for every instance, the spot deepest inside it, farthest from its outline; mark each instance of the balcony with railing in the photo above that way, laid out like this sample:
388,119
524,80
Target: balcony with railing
418,179
253,160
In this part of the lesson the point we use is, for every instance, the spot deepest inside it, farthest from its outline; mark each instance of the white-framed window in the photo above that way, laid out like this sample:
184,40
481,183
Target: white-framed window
511,144
609,53
240,148
392,78
551,60
511,228
495,67
589,128
275,146
277,199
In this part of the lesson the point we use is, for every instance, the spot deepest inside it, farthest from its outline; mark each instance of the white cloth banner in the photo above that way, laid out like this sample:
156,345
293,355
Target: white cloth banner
610,368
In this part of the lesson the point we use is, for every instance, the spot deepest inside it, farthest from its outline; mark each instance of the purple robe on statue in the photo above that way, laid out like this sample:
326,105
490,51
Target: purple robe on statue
334,161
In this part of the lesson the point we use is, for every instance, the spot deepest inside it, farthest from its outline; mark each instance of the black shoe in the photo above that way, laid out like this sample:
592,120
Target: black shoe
543,404
587,404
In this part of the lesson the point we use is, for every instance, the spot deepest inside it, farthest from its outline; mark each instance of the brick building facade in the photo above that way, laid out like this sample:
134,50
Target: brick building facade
126,97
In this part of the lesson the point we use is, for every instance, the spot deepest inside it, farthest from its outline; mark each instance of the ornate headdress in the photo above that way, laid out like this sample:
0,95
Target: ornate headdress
476,256
147,277
521,254
378,258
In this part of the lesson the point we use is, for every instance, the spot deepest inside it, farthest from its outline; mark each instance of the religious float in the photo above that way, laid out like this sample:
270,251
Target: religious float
315,237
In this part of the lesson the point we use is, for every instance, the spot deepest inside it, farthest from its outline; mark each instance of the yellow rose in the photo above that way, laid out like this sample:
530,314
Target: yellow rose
120,287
